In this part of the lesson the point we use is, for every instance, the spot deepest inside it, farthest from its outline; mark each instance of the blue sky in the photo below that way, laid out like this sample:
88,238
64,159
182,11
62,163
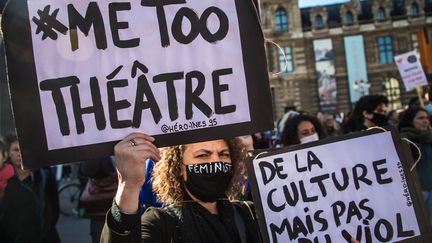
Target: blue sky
310,3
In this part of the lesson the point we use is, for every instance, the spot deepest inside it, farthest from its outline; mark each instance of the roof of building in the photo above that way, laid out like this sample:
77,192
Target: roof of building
365,15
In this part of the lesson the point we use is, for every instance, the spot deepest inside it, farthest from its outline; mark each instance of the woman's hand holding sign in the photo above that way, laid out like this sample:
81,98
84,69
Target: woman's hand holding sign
131,154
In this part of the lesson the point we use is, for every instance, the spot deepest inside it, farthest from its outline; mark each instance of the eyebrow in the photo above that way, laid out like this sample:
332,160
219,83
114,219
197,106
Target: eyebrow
203,151
224,150
209,152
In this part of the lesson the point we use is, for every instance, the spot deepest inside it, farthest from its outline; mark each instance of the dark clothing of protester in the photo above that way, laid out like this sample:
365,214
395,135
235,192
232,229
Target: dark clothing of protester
189,223
260,143
29,210
333,132
355,127
96,226
424,168
96,169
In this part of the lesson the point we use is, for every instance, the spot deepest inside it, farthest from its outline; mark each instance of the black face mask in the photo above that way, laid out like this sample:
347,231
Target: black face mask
208,181
379,119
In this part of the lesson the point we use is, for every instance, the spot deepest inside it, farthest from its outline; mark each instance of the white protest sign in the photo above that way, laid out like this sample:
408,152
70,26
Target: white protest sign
330,192
209,71
95,71
410,69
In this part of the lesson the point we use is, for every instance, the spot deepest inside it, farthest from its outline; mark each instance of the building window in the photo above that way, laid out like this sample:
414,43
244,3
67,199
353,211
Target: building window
402,44
414,42
281,20
319,23
414,9
381,14
288,65
349,19
392,92
385,48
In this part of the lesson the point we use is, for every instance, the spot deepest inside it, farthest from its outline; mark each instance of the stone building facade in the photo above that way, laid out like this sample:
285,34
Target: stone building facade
387,27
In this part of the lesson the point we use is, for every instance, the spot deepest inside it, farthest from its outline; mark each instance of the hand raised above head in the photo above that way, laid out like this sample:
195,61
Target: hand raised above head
131,154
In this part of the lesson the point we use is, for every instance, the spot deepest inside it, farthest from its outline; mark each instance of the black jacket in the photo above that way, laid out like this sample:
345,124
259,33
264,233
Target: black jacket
160,225
29,209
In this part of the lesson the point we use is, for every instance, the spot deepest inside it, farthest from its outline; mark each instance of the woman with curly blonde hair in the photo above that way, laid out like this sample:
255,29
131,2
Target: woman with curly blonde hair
195,182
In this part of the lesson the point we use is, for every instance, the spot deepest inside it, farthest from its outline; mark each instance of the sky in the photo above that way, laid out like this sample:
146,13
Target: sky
310,3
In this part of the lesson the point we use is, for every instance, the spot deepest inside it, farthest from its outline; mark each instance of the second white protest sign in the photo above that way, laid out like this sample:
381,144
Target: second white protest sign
330,192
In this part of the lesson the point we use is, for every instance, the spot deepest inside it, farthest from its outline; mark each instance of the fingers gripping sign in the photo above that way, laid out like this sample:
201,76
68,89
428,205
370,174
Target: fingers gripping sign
131,154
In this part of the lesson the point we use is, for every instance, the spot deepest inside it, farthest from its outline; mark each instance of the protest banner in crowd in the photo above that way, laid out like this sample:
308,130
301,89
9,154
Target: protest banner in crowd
410,70
84,74
329,191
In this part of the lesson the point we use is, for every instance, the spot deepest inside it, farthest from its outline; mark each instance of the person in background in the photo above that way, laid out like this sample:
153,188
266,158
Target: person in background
331,126
247,141
30,207
320,116
415,126
100,170
393,118
414,102
260,141
344,123
248,147
369,111
302,129
6,170
285,117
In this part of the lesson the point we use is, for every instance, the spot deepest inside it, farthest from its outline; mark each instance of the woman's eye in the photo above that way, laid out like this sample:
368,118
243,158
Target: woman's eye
225,155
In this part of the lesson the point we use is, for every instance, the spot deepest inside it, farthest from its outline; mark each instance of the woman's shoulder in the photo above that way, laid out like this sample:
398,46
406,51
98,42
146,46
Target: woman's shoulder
247,207
159,223
243,204
157,216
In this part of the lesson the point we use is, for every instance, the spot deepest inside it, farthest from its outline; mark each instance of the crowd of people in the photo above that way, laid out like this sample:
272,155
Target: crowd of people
201,186
199,206
29,199
413,123
29,205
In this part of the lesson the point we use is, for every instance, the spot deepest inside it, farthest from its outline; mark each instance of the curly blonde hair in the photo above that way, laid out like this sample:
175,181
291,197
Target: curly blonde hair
168,182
